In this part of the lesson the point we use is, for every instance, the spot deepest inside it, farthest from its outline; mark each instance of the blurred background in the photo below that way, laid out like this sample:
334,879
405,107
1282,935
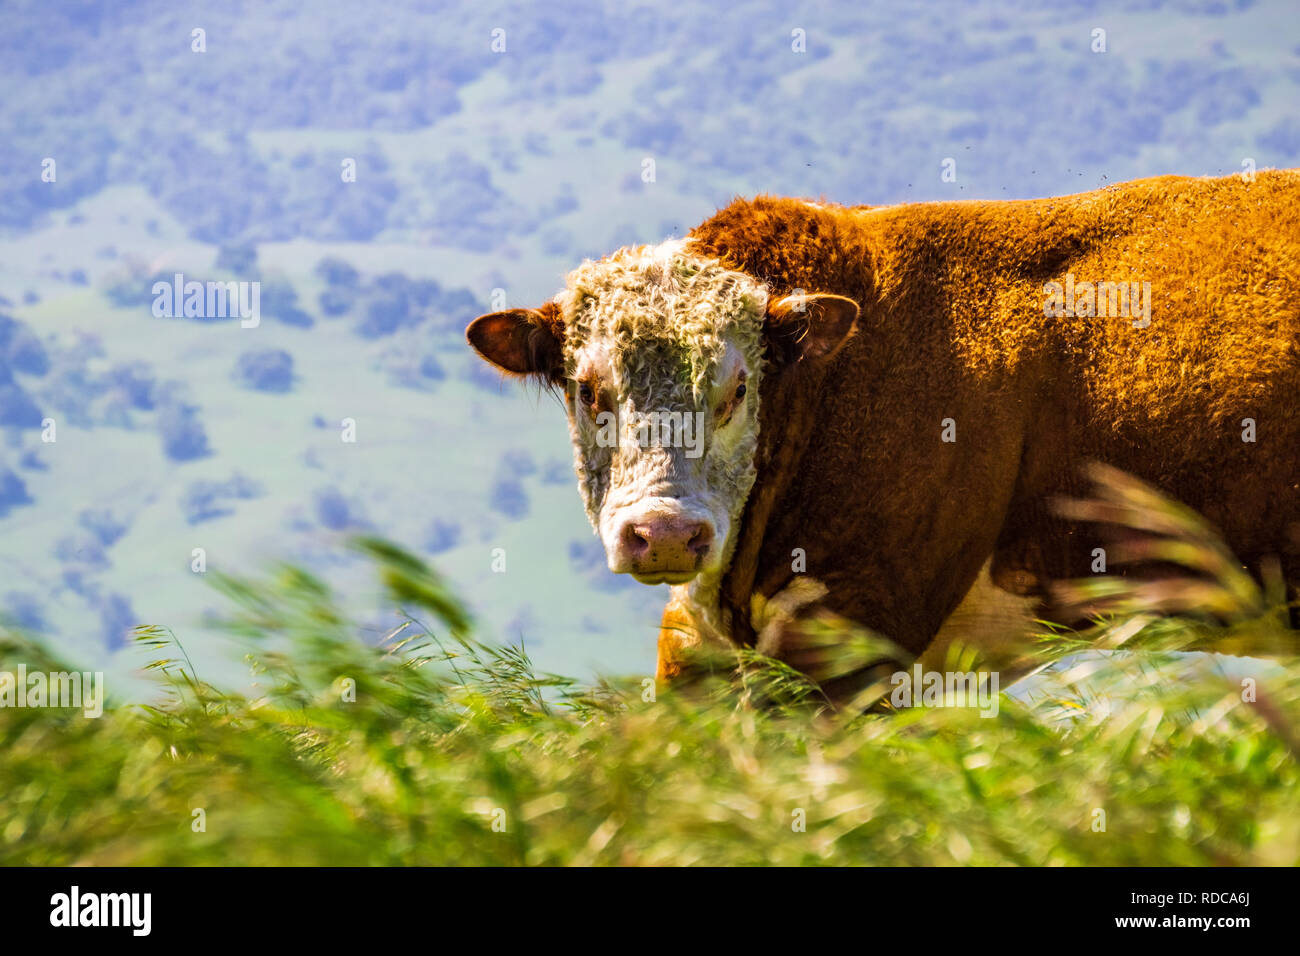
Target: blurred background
494,147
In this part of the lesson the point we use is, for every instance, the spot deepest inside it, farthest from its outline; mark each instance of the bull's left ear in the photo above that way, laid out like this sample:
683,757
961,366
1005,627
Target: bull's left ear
809,326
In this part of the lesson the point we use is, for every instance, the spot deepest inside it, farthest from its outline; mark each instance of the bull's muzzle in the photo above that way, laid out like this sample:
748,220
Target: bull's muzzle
662,548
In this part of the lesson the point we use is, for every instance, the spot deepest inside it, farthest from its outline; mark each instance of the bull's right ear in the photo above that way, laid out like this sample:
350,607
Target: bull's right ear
521,341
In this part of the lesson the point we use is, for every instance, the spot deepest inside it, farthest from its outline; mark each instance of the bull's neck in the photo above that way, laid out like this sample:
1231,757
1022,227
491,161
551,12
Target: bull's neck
703,596
786,424
835,258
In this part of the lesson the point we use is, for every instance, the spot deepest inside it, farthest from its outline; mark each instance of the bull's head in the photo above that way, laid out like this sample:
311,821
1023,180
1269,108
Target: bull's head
660,357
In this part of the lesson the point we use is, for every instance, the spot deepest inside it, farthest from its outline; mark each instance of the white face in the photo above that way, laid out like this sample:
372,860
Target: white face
664,471
662,370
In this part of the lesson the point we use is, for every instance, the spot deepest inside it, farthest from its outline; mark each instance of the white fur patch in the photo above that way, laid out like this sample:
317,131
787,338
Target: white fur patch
665,330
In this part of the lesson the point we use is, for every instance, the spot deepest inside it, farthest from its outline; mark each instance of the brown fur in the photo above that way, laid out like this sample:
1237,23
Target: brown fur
897,523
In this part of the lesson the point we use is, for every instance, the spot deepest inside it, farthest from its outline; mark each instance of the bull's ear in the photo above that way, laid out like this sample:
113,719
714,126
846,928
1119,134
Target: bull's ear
809,326
521,341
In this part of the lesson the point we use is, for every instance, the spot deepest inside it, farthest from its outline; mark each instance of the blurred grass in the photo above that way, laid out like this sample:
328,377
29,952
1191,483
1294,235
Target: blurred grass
457,752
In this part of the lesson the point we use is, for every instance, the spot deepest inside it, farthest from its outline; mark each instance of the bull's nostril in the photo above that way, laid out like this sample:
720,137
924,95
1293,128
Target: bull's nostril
635,539
701,541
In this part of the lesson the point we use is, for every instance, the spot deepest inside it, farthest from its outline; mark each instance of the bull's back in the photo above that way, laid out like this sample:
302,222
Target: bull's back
1203,401
1222,260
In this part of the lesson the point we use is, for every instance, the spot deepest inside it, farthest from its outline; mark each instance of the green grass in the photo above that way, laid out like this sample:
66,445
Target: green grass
454,752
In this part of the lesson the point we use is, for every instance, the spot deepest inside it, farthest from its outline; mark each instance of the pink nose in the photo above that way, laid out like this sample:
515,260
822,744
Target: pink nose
667,544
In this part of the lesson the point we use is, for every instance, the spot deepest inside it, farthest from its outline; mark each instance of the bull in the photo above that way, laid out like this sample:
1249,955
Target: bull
885,400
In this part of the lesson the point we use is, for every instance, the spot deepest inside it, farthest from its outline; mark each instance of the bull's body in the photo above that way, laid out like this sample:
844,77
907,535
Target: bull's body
852,469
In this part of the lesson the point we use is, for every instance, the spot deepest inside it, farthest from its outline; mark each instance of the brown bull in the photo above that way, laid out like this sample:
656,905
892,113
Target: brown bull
883,399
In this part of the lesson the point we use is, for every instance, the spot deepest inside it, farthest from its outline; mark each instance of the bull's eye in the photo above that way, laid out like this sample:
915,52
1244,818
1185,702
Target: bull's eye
586,395
726,411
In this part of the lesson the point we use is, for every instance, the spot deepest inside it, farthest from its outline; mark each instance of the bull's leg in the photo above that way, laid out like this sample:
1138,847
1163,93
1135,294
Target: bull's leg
678,635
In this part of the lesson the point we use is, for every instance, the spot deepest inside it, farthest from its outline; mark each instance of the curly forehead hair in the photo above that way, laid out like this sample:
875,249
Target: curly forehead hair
642,298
